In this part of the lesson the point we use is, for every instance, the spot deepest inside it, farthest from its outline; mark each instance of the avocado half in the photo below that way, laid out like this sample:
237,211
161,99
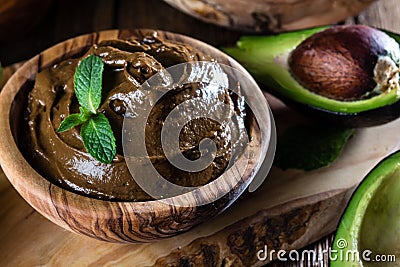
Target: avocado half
370,225
266,58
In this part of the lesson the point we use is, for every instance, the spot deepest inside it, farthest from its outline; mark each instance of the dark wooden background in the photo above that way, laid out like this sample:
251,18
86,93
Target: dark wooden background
69,18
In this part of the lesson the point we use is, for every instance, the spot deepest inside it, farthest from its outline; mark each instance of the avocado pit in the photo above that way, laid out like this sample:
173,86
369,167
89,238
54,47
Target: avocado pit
347,63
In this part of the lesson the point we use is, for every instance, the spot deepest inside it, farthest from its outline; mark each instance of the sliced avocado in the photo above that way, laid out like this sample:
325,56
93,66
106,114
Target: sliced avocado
266,58
370,225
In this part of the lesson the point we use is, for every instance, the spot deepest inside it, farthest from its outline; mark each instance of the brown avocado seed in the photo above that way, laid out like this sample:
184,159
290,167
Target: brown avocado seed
347,63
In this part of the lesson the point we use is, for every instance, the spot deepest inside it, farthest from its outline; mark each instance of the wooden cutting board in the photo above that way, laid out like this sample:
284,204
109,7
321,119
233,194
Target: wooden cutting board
290,210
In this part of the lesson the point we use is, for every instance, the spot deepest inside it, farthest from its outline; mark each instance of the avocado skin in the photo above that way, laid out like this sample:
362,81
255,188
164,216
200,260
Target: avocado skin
248,53
351,222
368,118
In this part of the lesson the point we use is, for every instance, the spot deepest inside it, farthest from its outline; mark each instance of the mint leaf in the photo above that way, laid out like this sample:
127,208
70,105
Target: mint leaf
309,147
98,138
70,122
88,82
84,114
74,120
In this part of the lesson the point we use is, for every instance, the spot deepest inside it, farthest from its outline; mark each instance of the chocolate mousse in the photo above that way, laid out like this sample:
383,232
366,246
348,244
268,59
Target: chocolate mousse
61,157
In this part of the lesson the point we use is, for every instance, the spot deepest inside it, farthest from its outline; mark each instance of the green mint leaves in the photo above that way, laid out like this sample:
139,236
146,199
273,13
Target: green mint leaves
87,82
74,120
96,132
70,122
97,138
310,147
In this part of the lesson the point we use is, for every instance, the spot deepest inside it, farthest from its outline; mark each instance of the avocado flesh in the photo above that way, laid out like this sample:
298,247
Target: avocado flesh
380,229
371,220
266,58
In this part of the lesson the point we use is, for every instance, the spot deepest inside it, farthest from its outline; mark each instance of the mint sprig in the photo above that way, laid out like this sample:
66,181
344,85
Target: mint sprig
97,138
87,83
309,147
74,120
97,135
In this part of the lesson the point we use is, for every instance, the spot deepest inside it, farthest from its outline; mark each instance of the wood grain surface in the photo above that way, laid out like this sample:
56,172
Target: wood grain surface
271,15
283,212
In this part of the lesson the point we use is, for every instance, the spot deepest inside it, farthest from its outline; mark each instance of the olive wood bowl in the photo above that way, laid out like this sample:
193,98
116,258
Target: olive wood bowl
270,15
127,222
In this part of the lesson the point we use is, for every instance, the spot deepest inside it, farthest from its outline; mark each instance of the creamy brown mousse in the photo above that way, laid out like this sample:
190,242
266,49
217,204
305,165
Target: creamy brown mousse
62,158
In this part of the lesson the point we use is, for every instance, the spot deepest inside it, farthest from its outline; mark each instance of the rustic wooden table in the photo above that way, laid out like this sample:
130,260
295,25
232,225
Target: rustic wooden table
70,18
